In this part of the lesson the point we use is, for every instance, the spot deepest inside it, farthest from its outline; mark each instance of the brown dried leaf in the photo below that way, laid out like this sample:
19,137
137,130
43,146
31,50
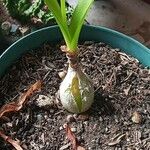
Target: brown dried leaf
14,143
72,139
16,106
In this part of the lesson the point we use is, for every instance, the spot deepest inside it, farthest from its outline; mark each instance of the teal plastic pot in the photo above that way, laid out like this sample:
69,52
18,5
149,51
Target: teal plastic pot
92,33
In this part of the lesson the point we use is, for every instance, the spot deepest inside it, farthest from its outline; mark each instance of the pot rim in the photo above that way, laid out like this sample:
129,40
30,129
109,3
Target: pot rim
143,56
91,26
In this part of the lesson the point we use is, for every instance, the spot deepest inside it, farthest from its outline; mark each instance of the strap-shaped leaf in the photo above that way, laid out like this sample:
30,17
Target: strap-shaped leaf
63,10
71,32
76,92
53,5
78,20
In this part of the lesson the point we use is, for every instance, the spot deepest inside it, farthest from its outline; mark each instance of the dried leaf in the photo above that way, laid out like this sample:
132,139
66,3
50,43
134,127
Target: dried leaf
16,106
14,143
72,139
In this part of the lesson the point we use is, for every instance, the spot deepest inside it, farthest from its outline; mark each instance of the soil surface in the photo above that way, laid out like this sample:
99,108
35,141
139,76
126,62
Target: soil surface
118,120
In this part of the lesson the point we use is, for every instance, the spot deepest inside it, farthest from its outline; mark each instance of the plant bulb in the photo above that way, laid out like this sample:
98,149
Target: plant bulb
76,91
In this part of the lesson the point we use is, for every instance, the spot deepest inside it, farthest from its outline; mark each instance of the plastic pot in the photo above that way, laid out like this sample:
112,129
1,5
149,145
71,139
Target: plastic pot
92,33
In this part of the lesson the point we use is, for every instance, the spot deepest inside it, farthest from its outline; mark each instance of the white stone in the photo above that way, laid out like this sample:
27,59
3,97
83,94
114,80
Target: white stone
44,101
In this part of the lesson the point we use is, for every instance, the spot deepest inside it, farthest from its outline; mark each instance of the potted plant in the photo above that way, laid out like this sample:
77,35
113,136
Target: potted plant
75,75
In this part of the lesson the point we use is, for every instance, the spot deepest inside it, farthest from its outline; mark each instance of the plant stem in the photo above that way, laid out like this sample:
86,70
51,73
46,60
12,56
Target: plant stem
73,58
73,61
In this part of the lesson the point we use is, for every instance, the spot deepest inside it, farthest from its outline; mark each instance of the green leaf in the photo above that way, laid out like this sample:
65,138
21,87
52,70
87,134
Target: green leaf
34,8
63,11
76,92
40,14
78,20
71,33
53,5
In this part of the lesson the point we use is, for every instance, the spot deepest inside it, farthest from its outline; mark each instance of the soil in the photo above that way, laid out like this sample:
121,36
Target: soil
118,120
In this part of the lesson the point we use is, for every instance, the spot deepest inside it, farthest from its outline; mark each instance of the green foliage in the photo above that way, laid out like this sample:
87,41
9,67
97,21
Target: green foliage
16,8
70,29
34,8
24,10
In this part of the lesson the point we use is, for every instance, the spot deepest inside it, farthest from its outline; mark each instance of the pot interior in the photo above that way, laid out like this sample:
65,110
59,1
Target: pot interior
89,33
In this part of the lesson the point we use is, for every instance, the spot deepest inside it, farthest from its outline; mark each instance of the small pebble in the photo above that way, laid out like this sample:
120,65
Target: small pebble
24,146
60,128
136,117
70,118
73,129
14,28
128,140
106,129
100,119
44,101
47,143
95,126
6,26
39,117
52,111
9,124
24,30
45,116
64,126
83,117
86,123
75,116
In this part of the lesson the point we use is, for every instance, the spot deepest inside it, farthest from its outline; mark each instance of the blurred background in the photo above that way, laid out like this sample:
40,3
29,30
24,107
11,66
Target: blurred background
131,17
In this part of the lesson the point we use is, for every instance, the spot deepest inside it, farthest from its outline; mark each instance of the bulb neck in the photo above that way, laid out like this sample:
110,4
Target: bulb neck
73,58
73,61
